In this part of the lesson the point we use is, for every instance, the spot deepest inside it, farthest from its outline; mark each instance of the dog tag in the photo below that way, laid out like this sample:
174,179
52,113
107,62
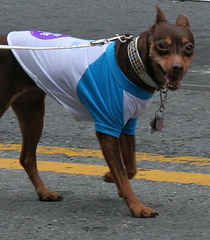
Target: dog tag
153,125
156,124
159,123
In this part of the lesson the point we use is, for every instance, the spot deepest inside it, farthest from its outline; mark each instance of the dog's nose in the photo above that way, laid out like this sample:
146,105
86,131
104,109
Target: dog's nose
178,68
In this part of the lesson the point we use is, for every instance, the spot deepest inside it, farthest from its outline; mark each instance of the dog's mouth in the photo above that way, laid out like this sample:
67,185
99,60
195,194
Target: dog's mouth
172,82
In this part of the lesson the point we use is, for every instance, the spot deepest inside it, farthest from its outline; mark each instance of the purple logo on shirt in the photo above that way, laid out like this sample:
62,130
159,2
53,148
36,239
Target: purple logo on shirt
47,35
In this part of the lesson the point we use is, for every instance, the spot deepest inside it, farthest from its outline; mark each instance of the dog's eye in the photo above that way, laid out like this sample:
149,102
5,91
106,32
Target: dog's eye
189,48
162,48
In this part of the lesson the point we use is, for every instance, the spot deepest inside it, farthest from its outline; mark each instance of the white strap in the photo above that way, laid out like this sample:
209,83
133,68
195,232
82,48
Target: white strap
121,38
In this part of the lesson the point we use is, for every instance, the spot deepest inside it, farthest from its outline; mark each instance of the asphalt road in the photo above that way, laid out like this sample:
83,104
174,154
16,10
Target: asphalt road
91,209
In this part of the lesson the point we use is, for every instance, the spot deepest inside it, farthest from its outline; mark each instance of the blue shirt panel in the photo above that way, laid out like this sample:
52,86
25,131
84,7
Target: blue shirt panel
130,127
101,91
102,96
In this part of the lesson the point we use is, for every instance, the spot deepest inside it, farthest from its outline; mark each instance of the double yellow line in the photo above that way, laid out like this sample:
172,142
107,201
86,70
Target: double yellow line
99,170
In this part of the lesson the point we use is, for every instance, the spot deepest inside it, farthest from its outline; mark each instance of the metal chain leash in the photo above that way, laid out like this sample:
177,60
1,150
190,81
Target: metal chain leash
163,97
157,123
122,39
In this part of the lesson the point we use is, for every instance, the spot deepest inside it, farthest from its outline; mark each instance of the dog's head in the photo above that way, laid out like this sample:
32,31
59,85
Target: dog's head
171,49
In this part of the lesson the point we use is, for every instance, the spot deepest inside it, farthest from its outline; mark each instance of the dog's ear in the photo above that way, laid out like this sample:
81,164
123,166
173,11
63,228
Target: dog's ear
160,15
183,21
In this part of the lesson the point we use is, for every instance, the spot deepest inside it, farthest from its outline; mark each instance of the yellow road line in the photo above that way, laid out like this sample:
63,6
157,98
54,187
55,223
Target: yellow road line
97,153
98,170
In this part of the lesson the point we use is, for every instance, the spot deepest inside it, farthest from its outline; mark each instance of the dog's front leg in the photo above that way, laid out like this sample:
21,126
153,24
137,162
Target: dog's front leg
110,147
127,148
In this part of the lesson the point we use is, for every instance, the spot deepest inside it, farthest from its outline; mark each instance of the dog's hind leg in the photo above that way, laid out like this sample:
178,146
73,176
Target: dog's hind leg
6,91
4,103
29,109
127,148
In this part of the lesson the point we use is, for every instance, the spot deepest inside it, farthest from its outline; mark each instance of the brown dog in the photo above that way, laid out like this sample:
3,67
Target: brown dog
166,51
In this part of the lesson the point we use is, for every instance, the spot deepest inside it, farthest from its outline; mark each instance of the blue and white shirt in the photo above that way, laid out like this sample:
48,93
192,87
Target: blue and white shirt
86,81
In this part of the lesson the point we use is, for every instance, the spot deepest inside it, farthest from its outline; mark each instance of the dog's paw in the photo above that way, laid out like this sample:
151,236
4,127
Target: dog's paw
50,196
145,213
108,177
